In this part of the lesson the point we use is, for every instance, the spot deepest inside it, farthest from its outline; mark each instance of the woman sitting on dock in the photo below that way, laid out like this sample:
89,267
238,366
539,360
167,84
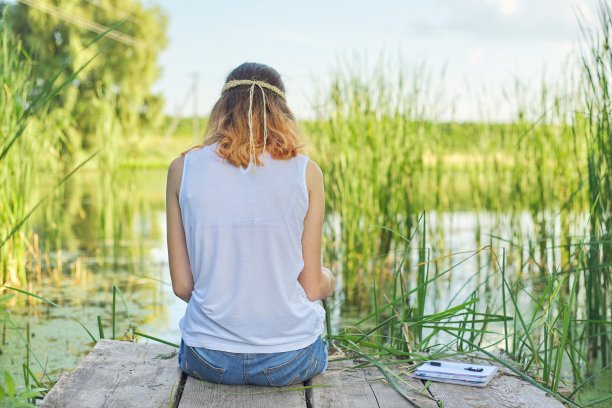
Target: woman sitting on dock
244,221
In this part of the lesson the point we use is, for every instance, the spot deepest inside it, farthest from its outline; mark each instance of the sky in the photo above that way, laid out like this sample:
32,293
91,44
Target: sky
480,46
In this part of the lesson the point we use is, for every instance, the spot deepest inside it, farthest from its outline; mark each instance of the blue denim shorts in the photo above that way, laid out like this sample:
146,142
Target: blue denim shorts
267,369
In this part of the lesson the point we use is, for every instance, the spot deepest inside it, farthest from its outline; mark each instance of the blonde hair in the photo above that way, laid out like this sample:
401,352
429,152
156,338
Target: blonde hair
245,126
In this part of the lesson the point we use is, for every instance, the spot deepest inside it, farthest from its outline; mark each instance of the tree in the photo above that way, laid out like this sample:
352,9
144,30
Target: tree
121,75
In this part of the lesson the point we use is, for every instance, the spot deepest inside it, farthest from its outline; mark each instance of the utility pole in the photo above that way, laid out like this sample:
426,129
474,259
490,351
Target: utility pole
192,93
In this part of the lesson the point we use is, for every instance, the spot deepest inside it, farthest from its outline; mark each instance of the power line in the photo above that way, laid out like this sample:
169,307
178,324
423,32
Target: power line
81,22
118,12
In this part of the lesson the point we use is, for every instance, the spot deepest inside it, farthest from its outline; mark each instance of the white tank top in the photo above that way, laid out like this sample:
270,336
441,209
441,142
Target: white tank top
243,230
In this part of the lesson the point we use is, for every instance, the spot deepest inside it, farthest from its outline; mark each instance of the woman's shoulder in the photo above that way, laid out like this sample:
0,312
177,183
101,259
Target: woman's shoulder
314,175
303,157
311,165
176,165
175,172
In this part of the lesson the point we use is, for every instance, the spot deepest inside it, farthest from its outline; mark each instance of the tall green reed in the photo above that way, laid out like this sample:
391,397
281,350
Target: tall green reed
596,122
540,335
15,175
369,140
25,158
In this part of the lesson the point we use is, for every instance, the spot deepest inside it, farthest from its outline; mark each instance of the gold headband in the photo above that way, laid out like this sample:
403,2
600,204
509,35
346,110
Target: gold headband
238,82
261,85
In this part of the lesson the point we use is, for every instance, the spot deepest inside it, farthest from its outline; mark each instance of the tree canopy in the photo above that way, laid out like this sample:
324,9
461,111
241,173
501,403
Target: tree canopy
56,34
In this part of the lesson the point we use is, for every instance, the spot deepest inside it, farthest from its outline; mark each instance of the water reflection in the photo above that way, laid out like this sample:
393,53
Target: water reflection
113,233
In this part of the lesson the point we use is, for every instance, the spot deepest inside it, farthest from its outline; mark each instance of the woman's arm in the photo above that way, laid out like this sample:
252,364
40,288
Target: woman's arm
178,259
318,282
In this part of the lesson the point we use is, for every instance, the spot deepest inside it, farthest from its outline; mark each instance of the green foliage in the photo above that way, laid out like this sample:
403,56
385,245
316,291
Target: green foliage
553,326
10,397
16,176
544,333
597,97
370,142
21,111
124,73
387,158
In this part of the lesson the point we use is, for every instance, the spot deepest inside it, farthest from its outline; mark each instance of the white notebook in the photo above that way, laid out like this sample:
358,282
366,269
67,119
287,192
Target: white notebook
456,373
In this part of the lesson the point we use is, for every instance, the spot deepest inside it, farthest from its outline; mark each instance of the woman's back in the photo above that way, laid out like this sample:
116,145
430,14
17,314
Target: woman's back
243,231
245,213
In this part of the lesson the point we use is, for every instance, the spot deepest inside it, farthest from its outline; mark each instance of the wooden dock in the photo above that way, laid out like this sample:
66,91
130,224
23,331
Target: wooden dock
124,374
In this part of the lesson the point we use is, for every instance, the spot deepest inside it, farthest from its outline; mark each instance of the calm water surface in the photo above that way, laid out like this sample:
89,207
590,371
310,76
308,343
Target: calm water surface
113,233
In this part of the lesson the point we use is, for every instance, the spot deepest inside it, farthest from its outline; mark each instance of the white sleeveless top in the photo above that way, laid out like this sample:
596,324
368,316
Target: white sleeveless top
243,230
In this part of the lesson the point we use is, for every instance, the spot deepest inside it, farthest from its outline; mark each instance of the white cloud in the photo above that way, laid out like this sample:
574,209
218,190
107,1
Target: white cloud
550,20
508,7
475,56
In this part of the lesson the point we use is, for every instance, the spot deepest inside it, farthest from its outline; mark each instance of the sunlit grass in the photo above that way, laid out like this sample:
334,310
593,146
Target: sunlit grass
538,305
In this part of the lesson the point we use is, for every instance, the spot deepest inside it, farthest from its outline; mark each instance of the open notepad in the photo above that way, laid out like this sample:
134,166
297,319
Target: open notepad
456,373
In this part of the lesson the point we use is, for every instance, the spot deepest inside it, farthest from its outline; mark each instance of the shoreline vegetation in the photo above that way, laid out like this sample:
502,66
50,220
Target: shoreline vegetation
538,293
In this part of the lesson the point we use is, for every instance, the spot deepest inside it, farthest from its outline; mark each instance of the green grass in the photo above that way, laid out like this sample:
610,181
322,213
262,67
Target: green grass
23,157
541,328
538,302
597,63
541,348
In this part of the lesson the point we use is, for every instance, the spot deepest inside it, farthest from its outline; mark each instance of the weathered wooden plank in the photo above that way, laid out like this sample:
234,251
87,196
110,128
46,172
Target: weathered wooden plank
119,374
198,393
504,391
388,397
342,385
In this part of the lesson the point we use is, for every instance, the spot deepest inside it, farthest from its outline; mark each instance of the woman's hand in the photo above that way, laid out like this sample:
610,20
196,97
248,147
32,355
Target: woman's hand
332,281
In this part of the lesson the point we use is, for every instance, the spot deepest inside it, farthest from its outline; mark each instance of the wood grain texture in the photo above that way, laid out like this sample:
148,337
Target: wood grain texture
388,397
119,374
124,374
198,393
504,391
342,385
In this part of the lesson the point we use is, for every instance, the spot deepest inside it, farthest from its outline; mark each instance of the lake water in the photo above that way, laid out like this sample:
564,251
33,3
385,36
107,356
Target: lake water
113,233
